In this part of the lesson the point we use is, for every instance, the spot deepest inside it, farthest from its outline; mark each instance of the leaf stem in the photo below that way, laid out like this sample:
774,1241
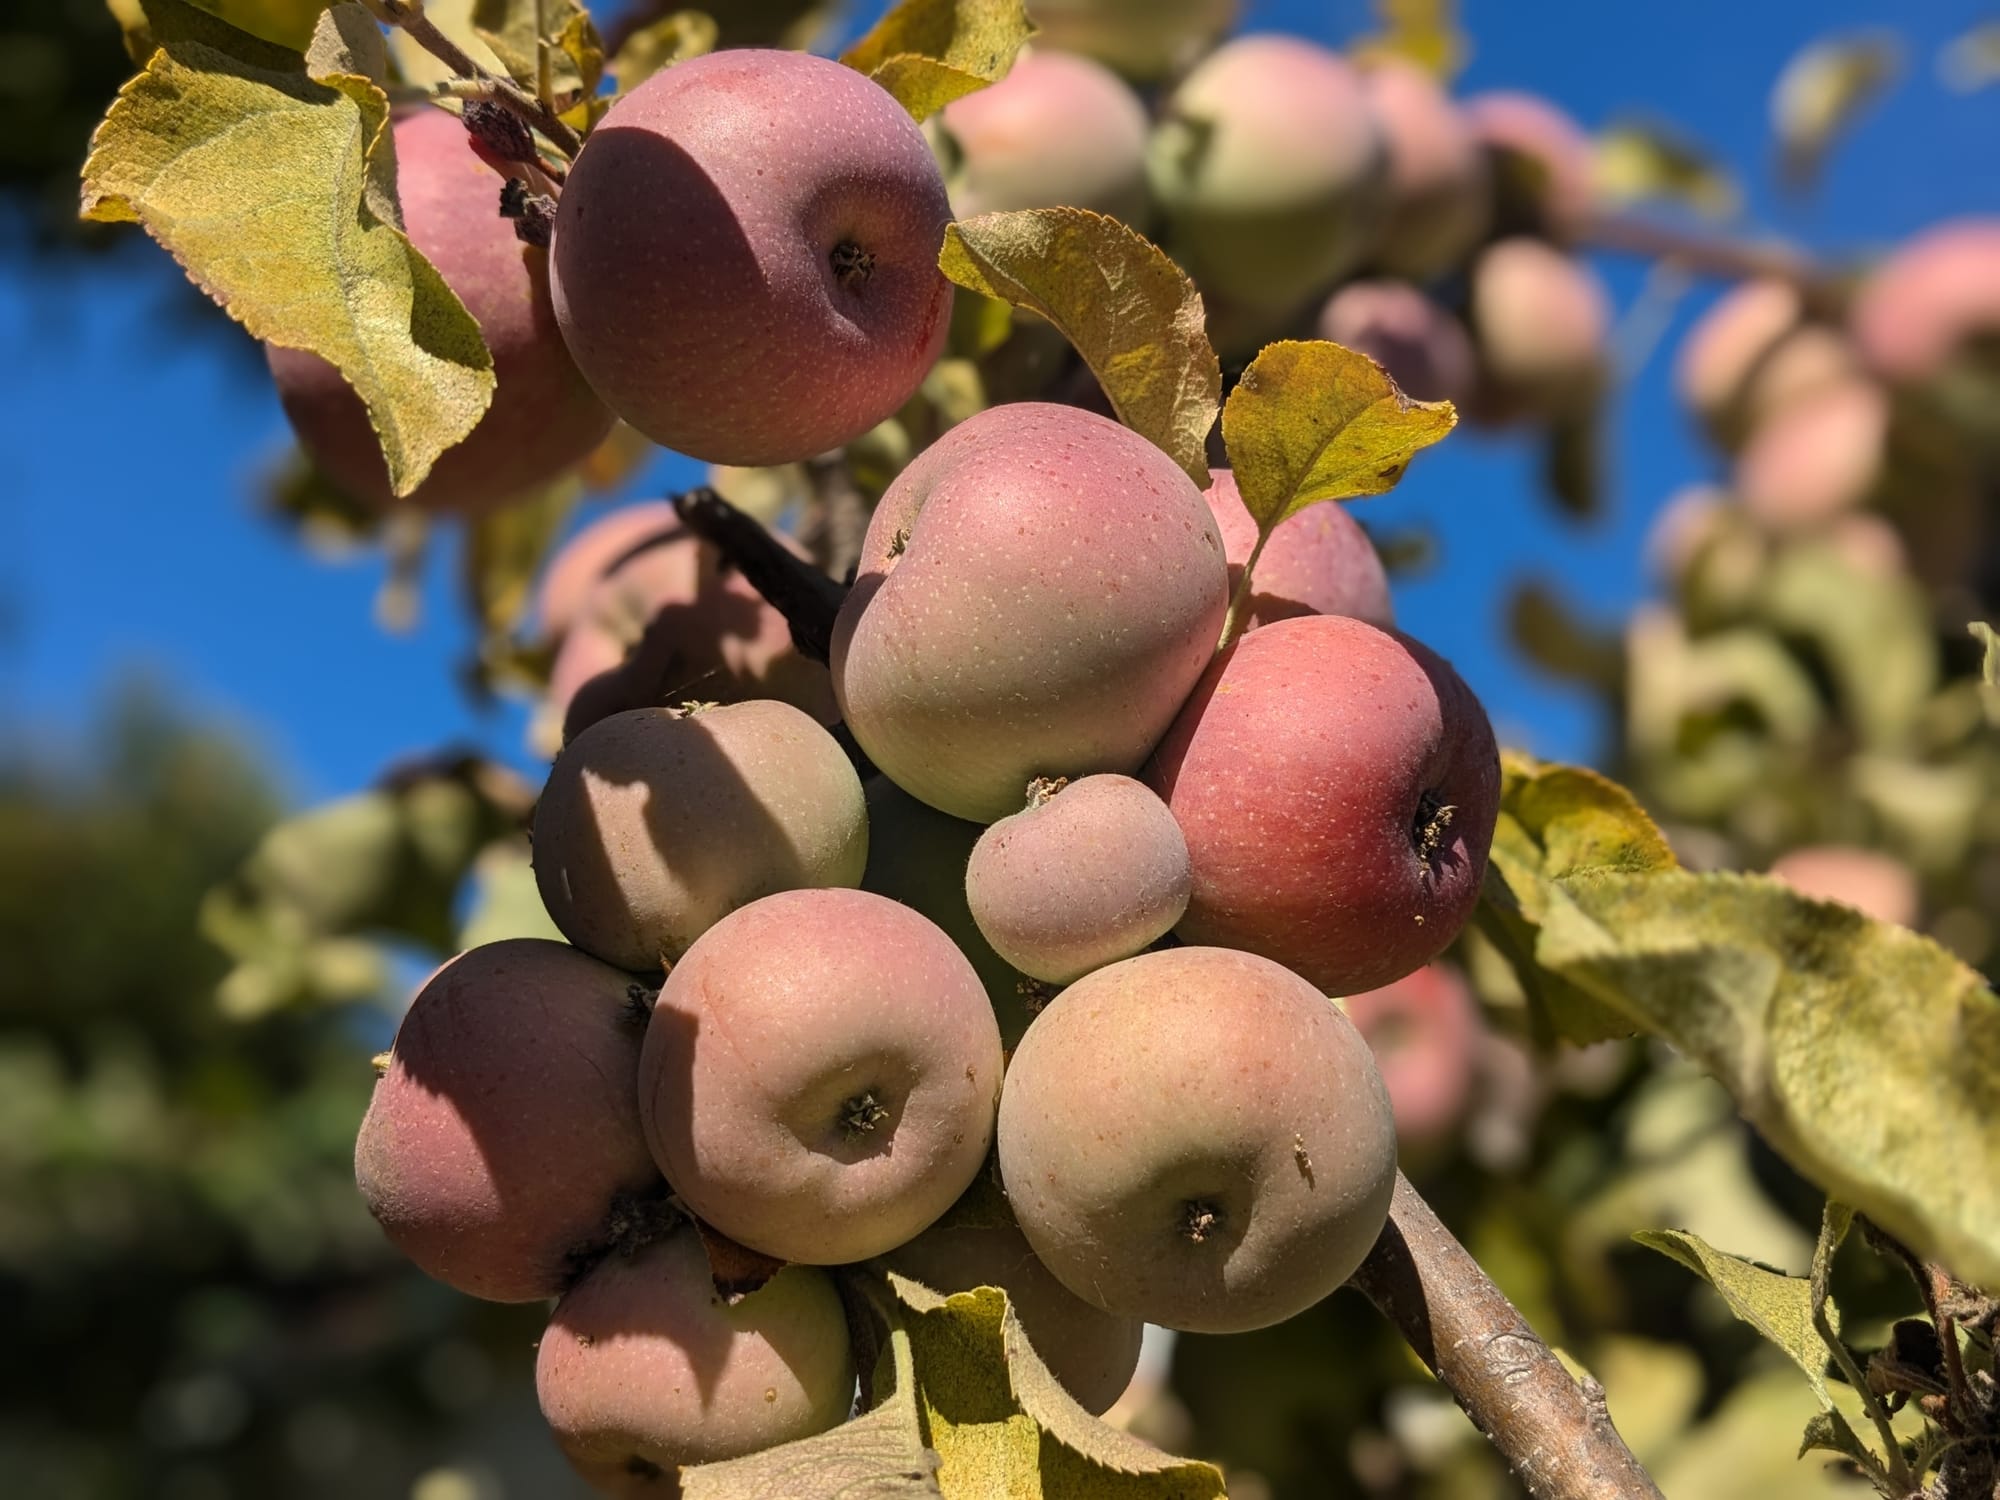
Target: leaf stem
1833,1228
1239,597
1557,1435
409,15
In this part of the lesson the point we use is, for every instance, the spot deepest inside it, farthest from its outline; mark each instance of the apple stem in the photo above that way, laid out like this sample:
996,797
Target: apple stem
1240,596
1555,1433
409,16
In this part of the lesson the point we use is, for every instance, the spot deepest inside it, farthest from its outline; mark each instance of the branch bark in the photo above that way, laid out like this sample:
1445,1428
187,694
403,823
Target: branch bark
1554,1433
409,15
1719,256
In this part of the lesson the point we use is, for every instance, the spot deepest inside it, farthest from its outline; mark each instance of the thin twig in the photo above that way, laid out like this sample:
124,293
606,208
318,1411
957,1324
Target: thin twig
1710,255
1555,1434
409,15
545,67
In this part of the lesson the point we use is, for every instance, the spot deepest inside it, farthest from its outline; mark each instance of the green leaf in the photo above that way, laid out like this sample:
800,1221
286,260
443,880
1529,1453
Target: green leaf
504,550
276,193
1556,821
1002,1425
420,66
1867,1055
930,52
1639,161
1313,421
506,903
1130,311
1989,667
660,44
1822,90
1873,632
512,29
1776,1305
879,1455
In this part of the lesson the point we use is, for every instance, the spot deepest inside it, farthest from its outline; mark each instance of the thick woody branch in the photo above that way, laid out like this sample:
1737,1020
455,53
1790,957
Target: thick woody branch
1554,1433
806,597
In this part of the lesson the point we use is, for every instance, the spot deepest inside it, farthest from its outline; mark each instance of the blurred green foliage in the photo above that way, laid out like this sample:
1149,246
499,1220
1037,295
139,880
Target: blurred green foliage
196,1303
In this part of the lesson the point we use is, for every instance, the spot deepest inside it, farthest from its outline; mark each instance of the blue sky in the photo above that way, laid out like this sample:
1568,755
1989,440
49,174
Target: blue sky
129,542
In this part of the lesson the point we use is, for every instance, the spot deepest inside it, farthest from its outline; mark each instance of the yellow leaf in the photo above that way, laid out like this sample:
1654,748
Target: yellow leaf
149,24
930,52
454,18
1313,421
1424,31
1822,90
276,191
511,29
1001,1424
1130,311
1989,671
661,44
1638,161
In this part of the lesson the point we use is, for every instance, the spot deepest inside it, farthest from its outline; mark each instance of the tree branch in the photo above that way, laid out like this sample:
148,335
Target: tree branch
806,597
1711,255
1555,1434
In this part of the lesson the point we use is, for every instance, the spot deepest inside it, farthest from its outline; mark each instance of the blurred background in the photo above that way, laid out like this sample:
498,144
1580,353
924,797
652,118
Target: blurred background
196,1305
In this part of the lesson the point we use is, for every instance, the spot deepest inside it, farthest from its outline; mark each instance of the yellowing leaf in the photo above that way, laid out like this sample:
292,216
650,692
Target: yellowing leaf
1557,821
149,24
1424,31
1989,669
1638,161
1312,421
276,193
879,1455
660,44
348,40
1821,92
510,28
1002,1425
1868,1056
1130,311
930,52
420,66
1778,1306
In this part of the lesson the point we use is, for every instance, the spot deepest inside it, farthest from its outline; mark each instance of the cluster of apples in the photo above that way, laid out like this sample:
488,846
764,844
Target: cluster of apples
1064,913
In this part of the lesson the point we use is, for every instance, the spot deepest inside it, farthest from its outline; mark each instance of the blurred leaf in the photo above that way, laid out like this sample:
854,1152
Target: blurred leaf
1130,312
1643,161
1776,1305
1866,1055
579,45
1989,668
660,44
1732,1454
330,521
454,18
1424,31
930,52
1874,633
276,192
510,28
1313,421
1821,92
1573,462
505,900
979,325
1002,1425
1554,638
151,24
1972,61
503,551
